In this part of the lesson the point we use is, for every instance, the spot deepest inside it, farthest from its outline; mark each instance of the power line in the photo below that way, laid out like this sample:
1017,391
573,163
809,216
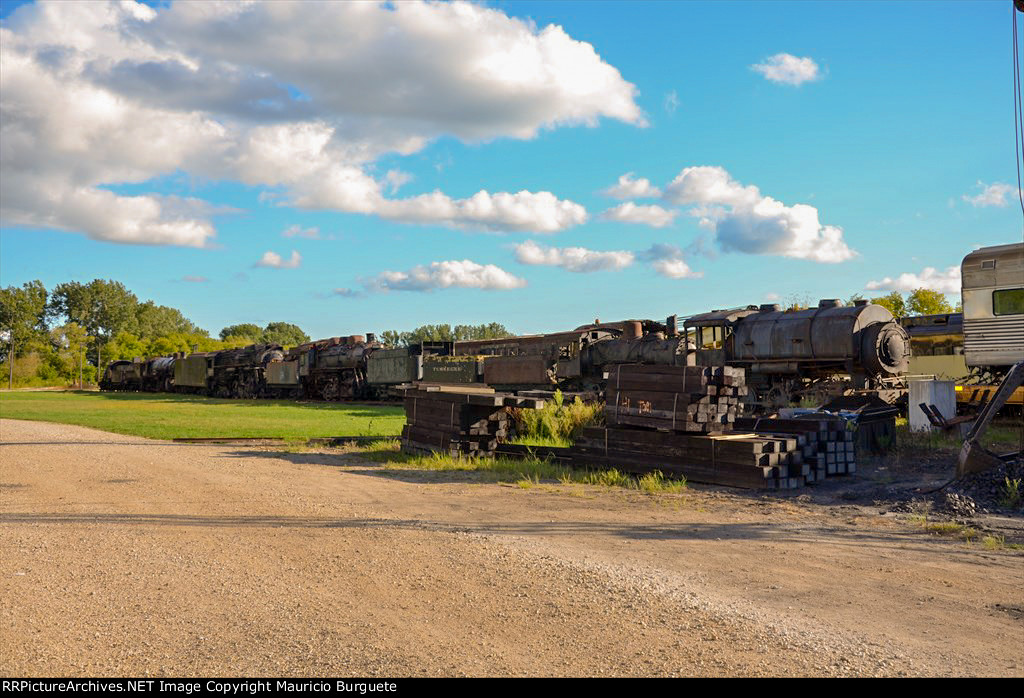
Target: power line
1018,112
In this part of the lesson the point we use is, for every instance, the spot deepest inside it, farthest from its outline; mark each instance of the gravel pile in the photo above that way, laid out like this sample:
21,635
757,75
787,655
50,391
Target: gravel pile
990,491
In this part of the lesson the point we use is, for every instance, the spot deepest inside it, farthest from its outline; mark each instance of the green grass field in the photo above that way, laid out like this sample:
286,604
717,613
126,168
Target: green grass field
167,416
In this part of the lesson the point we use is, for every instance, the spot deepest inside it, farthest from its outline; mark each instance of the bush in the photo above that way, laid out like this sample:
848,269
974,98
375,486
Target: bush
557,421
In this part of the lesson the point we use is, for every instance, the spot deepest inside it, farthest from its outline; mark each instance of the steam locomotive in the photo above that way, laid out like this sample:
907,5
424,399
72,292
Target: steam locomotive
787,354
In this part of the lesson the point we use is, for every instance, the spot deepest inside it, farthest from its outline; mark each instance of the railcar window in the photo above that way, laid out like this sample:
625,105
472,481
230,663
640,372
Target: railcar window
1008,301
710,337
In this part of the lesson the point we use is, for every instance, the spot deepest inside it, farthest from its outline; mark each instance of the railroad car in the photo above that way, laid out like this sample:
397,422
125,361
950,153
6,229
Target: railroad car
937,351
122,375
347,368
230,373
157,375
541,361
150,375
936,346
992,288
806,353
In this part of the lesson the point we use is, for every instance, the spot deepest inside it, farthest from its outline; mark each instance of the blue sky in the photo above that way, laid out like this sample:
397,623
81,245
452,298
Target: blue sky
867,169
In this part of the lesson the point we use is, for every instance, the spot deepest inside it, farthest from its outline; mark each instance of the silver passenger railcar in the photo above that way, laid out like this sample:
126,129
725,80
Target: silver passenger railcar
992,285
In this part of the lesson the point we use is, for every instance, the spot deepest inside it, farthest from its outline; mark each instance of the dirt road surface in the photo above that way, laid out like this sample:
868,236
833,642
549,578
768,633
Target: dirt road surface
122,556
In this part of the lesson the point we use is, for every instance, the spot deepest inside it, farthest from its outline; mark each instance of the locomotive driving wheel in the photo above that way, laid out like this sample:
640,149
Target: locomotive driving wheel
330,388
779,395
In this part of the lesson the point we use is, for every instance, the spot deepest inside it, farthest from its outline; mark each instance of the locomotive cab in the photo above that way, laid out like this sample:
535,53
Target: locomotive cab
711,334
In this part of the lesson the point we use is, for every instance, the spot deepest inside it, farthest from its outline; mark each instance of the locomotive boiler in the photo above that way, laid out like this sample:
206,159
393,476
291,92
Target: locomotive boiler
812,352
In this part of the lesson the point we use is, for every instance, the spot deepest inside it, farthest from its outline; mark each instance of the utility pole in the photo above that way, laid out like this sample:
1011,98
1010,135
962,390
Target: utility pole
10,365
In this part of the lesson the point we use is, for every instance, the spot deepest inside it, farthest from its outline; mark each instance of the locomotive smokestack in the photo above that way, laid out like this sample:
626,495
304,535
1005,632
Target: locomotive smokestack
632,330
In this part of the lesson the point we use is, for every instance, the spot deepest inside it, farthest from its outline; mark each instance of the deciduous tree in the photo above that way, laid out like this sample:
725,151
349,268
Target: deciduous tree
925,301
893,302
103,308
283,333
22,315
246,329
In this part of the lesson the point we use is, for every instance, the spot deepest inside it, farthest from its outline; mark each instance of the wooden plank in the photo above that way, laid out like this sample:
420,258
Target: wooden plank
474,398
723,474
651,400
655,423
657,439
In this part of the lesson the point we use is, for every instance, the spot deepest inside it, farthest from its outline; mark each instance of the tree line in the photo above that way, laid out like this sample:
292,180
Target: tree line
922,301
67,335
444,333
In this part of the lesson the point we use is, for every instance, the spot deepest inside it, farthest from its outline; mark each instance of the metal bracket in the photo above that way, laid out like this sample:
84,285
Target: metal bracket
974,458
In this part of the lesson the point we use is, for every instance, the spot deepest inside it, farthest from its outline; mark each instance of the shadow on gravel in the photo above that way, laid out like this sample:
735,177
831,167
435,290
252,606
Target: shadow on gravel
874,485
698,531
774,533
102,443
924,484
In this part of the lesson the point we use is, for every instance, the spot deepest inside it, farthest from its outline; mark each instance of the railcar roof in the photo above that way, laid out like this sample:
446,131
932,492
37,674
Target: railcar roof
720,317
943,323
996,251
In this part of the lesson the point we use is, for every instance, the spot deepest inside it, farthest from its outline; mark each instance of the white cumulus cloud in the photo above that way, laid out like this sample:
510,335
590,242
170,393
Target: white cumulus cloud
577,259
628,212
449,274
299,98
275,261
629,188
788,69
669,261
524,211
947,281
744,220
991,194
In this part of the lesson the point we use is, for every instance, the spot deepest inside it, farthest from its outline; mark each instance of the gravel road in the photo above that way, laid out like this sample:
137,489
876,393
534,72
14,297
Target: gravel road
123,556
